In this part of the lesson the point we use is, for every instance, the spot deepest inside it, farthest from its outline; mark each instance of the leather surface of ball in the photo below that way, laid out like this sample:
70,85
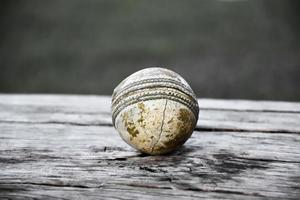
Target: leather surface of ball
154,110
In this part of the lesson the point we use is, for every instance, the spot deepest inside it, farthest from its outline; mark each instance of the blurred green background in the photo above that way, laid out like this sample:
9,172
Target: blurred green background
224,49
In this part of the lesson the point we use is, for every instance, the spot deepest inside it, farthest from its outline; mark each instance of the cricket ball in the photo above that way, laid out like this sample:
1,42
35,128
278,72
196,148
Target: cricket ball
154,110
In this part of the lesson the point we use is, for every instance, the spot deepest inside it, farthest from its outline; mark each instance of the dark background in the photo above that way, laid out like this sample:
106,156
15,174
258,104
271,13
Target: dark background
224,49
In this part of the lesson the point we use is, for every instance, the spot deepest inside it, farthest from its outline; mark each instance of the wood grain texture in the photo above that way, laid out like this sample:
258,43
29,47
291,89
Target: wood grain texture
64,147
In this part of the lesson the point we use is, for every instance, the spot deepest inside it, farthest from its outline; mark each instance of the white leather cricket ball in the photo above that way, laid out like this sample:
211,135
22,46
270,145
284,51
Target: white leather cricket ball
154,110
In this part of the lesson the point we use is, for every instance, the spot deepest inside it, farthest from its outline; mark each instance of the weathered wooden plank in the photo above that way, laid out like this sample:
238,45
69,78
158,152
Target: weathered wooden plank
95,110
63,146
69,161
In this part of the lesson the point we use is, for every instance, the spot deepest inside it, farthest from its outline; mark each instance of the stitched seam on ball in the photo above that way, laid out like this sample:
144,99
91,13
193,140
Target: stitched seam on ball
161,95
148,91
154,80
162,126
151,80
192,105
119,96
125,99
150,83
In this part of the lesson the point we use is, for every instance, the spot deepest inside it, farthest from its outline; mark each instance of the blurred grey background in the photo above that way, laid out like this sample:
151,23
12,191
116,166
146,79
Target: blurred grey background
224,49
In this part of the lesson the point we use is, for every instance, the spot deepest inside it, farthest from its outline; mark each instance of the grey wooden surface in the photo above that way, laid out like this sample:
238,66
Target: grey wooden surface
64,147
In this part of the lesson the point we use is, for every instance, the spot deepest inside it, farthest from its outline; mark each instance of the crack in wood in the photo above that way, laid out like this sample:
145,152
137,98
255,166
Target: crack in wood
198,128
52,185
58,122
252,111
207,129
176,186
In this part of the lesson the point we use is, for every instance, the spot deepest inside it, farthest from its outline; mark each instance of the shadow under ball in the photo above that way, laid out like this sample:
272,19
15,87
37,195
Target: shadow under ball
154,110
